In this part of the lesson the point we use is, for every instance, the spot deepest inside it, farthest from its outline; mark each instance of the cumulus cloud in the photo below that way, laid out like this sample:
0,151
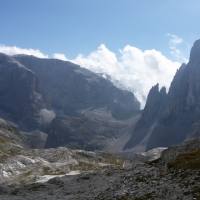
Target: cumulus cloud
13,50
60,56
131,68
174,44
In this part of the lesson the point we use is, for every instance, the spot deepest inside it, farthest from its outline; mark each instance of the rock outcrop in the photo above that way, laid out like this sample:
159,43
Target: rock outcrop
155,101
177,116
20,100
182,110
92,130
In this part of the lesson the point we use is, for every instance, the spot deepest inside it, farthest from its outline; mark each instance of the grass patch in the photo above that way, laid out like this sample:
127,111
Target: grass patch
112,159
196,192
189,160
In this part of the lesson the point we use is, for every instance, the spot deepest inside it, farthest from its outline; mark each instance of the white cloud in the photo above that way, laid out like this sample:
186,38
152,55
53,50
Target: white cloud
60,56
174,39
174,44
131,68
13,50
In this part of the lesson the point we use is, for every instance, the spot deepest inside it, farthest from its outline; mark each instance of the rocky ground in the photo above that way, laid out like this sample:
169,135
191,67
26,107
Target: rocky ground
65,174
141,182
166,178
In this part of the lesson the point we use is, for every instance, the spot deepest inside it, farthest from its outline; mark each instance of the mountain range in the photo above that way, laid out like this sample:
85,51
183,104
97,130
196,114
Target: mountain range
57,103
68,133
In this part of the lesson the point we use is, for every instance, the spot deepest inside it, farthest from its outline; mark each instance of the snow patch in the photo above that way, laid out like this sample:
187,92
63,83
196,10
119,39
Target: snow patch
154,154
46,178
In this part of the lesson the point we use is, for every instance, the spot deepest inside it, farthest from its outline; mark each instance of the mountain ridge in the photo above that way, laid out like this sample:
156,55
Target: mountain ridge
35,93
180,110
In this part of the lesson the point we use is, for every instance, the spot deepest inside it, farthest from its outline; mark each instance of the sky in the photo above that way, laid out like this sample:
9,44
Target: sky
136,42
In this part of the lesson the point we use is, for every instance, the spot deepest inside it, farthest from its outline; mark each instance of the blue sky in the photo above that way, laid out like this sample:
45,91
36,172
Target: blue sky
79,26
138,43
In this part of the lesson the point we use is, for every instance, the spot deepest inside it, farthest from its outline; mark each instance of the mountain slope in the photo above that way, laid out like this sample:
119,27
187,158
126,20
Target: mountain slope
64,100
11,140
92,130
19,97
68,89
183,109
151,113
179,111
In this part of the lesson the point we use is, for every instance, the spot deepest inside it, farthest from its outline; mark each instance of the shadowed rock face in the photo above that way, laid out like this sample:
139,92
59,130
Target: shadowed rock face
183,109
93,130
175,116
151,113
19,97
64,87
34,92
67,88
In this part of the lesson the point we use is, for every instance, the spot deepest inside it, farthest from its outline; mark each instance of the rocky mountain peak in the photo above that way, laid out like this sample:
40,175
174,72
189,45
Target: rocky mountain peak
154,95
151,113
163,91
195,51
181,110
154,90
154,99
169,119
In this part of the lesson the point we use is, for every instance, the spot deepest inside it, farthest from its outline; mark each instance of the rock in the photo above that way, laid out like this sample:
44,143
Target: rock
37,93
35,139
67,88
19,97
169,119
92,130
155,101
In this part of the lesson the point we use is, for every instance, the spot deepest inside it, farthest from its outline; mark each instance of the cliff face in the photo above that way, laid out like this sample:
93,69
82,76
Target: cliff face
34,92
179,115
19,97
182,111
68,89
92,130
150,115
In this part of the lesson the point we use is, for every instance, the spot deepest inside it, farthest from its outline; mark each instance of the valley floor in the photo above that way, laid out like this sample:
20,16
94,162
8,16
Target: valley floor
141,182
